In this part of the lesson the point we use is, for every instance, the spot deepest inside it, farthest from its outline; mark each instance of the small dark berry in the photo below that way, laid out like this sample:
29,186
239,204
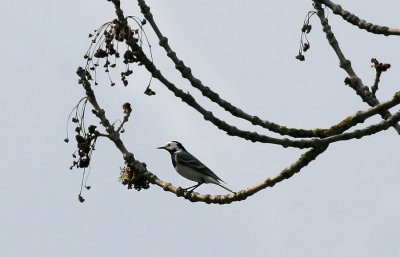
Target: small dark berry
300,57
81,199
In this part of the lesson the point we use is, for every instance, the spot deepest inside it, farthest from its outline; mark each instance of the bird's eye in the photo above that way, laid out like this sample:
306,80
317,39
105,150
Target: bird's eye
169,145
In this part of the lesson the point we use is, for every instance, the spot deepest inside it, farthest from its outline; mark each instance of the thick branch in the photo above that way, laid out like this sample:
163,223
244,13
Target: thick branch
361,116
286,173
214,97
370,130
362,24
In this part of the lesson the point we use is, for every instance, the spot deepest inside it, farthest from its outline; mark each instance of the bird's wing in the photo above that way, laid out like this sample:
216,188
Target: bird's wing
185,158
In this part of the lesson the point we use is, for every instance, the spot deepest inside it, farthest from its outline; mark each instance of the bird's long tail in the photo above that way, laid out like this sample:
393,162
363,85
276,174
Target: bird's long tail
225,187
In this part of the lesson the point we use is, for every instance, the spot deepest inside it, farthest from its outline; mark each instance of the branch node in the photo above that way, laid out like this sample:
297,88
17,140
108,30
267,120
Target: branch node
337,9
163,41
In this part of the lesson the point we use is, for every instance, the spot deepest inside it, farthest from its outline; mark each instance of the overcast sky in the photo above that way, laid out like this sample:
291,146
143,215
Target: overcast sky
345,203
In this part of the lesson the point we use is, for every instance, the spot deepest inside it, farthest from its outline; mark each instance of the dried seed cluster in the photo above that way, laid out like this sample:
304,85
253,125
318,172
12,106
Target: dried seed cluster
105,45
133,179
85,138
85,143
304,43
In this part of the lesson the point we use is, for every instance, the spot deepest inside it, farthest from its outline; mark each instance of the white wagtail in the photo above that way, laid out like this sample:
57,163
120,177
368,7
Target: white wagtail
190,167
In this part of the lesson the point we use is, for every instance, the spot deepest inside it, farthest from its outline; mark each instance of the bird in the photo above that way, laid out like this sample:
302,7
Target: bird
191,168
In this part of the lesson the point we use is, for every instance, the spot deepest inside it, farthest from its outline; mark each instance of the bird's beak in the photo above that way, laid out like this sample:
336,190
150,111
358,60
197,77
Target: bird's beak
161,147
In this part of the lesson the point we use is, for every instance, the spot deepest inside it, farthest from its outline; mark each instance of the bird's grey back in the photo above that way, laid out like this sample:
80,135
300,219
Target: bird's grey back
187,159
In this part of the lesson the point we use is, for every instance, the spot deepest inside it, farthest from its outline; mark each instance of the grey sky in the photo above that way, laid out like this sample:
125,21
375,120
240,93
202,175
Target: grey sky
346,203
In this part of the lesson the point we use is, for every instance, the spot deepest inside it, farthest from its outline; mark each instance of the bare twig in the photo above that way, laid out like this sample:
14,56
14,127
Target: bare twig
362,24
127,111
379,68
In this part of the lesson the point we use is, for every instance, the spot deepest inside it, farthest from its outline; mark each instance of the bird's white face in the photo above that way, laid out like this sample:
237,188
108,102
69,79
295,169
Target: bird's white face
171,146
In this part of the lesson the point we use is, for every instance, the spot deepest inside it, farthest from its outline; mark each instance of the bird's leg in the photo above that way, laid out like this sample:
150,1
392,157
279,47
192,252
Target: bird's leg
193,187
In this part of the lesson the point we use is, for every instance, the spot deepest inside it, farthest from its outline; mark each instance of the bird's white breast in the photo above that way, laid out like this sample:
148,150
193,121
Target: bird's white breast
189,173
194,175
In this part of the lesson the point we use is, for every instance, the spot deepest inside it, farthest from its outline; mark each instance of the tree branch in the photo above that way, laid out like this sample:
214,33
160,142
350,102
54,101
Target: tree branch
361,90
359,133
362,24
286,173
